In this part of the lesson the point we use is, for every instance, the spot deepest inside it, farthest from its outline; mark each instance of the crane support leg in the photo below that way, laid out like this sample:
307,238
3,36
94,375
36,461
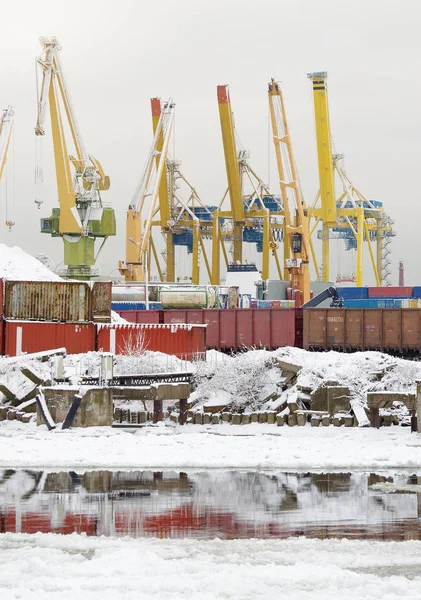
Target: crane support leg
326,253
360,246
266,246
216,259
170,258
238,243
195,259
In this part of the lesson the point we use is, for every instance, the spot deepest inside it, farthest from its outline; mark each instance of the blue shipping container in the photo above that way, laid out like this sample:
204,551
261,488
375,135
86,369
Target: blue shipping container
119,306
416,291
353,293
370,303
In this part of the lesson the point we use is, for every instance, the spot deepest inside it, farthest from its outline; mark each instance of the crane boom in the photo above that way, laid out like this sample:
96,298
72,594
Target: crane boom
232,168
81,217
297,228
6,126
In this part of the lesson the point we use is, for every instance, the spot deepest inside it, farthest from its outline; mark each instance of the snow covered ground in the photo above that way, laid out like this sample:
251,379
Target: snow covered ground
66,567
17,264
256,446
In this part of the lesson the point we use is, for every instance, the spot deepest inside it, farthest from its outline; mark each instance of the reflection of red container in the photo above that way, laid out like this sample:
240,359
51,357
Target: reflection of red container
184,341
31,336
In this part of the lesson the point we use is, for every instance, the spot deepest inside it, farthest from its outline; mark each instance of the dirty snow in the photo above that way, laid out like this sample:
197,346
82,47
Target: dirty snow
66,567
17,264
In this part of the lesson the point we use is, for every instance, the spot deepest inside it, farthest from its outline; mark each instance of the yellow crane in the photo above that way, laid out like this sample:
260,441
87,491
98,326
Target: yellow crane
6,127
252,219
147,197
351,216
296,225
82,216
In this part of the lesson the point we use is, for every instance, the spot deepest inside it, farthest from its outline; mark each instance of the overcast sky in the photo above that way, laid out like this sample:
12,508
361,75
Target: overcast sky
118,54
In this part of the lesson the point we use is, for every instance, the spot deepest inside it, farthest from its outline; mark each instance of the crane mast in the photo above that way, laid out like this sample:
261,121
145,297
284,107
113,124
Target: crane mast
138,233
82,217
233,169
325,163
296,225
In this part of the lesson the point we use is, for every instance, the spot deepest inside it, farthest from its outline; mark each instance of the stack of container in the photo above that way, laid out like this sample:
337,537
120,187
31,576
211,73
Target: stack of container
380,297
41,315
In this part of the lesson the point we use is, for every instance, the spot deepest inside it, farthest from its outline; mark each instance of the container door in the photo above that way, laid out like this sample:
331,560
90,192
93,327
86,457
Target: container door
101,301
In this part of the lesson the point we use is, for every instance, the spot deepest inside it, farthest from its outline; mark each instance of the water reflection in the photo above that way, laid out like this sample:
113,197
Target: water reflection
209,504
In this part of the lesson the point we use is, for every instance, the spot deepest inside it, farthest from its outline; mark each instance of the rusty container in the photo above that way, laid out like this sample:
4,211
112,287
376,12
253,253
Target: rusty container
62,301
227,329
261,327
23,337
101,292
285,327
411,329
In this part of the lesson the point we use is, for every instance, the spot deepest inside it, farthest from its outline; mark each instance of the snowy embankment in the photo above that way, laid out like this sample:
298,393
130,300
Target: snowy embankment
17,264
257,446
65,567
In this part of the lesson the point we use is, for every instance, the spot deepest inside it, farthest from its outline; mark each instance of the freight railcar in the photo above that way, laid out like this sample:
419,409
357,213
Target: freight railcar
350,329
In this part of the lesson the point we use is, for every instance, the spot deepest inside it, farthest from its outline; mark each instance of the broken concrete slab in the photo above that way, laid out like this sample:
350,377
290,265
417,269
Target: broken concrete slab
288,367
96,407
378,400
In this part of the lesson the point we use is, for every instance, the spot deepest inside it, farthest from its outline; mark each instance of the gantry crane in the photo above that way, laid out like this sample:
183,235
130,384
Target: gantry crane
146,198
296,225
82,216
350,216
255,217
6,127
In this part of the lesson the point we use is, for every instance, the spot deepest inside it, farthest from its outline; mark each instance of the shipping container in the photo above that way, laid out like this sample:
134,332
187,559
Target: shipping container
416,291
388,330
391,292
25,337
352,293
63,301
129,305
184,341
141,316
101,301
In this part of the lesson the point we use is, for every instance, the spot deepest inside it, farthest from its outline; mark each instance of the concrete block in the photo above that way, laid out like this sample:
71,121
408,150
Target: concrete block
226,417
331,399
190,414
26,417
174,417
386,399
96,407
280,420
386,420
189,421
3,413
172,391
254,418
117,415
288,367
215,419
143,416
236,419
271,416
263,417
326,421
292,419
301,418
349,421
207,418
338,421
245,419
198,418
315,421
11,415
214,408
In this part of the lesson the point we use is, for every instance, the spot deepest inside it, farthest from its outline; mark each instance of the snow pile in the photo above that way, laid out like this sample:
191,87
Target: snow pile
70,566
17,264
245,380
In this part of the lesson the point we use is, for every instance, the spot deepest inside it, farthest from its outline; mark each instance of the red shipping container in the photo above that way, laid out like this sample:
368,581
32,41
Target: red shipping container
32,336
1,297
261,327
390,292
184,341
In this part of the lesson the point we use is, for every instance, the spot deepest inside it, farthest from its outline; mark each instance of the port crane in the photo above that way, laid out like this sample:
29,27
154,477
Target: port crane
82,217
350,216
256,217
296,224
149,193
6,127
